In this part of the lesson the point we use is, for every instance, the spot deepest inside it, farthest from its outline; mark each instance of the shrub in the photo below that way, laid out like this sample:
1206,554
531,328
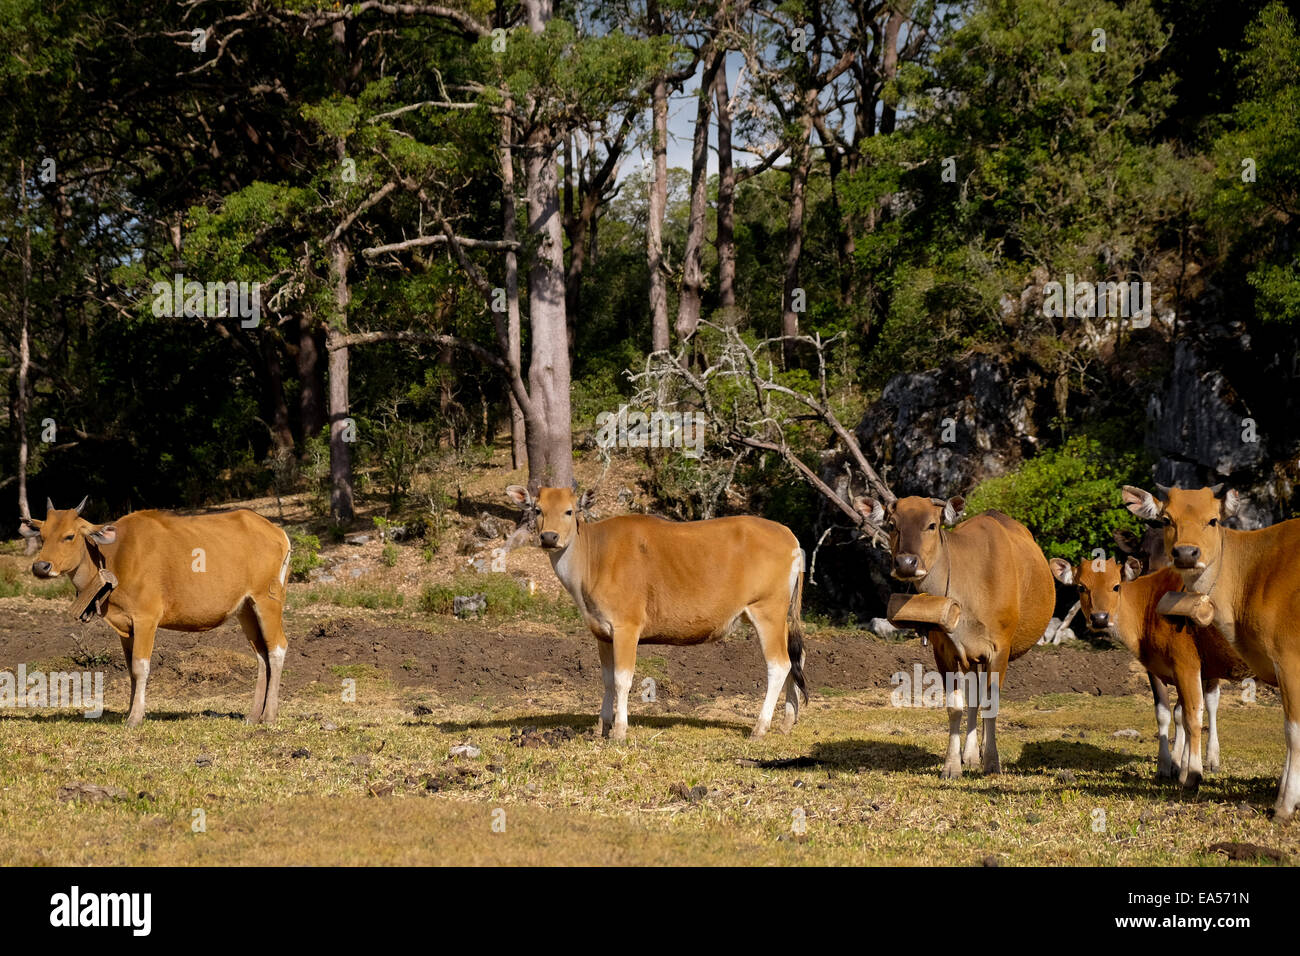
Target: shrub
305,554
504,594
1068,497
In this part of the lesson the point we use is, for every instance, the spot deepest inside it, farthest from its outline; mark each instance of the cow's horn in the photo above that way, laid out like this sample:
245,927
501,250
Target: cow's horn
1163,491
83,503
1217,490
49,505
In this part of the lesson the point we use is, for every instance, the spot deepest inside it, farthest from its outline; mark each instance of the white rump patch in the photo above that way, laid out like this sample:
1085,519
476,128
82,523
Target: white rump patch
796,569
284,565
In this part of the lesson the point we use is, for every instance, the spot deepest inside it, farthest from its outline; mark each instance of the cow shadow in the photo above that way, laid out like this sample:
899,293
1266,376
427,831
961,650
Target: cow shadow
854,754
582,723
1045,755
114,717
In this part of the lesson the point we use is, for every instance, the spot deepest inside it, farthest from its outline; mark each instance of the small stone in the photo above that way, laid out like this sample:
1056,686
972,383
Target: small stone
300,753
1065,776
464,750
203,760
1127,732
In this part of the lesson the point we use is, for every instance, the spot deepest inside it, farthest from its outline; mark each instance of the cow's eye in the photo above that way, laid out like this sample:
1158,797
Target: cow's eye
1115,588
1214,522
69,537
569,513
1083,589
933,525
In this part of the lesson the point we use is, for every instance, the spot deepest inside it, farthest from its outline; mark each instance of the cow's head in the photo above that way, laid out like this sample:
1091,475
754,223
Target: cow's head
913,526
60,540
555,512
1193,523
1098,583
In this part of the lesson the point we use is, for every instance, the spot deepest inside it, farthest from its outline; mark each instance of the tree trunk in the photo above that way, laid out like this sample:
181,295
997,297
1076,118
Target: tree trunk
509,232
726,240
690,302
655,227
800,165
273,391
341,506
311,379
24,345
550,436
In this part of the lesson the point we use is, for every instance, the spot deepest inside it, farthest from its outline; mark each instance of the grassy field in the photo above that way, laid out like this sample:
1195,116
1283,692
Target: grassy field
371,782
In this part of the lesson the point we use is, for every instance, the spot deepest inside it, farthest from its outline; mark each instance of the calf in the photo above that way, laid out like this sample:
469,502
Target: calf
152,569
1253,582
991,566
638,579
1114,600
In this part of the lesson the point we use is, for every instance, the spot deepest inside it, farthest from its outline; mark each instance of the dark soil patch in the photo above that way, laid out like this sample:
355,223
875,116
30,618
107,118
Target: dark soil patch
474,660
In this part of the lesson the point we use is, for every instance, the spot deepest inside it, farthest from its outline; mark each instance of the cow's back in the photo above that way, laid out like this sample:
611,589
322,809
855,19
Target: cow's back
195,570
1000,573
687,579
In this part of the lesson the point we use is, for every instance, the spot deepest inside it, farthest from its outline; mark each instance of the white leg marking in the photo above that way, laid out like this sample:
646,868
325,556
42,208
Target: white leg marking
1212,713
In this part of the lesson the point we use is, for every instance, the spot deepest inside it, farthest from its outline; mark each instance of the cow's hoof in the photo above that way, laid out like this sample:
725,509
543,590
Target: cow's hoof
1282,814
618,735
787,725
1166,773
134,720
1191,782
950,772
1212,766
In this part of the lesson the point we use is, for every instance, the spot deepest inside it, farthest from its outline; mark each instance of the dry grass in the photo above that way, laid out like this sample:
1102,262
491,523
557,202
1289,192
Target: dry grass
381,789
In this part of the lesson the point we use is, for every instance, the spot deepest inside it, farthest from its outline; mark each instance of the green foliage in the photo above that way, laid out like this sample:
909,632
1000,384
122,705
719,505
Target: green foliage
505,596
355,594
304,554
1069,497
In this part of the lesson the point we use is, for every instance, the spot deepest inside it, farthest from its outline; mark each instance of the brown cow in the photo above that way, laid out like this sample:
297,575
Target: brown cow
1252,579
639,579
182,573
991,566
1116,601
1149,550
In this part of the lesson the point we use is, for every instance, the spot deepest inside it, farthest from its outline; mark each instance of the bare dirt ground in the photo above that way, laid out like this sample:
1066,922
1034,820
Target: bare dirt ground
463,661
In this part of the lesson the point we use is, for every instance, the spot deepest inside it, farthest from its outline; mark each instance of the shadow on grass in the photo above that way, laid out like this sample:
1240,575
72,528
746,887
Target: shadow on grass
583,723
1043,755
115,717
874,755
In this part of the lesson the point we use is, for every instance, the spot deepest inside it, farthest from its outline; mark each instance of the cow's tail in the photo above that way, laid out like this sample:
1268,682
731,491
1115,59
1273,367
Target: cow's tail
794,640
279,589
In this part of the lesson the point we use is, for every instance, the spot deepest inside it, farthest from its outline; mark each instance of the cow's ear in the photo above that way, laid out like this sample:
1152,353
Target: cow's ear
1231,503
1132,569
30,529
587,499
519,495
953,509
104,534
1062,570
1128,542
1141,503
871,509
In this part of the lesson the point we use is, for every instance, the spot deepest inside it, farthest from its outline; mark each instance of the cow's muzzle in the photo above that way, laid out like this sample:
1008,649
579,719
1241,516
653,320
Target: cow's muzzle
549,539
1099,620
43,569
907,566
1186,556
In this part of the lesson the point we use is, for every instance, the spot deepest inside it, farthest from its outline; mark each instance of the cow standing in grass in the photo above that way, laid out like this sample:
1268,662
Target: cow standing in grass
639,579
1118,602
992,567
171,571
1252,580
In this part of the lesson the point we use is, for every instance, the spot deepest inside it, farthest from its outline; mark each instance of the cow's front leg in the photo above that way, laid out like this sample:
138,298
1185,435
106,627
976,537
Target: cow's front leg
1189,697
606,721
996,674
625,641
956,701
1160,696
1212,690
971,752
142,635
